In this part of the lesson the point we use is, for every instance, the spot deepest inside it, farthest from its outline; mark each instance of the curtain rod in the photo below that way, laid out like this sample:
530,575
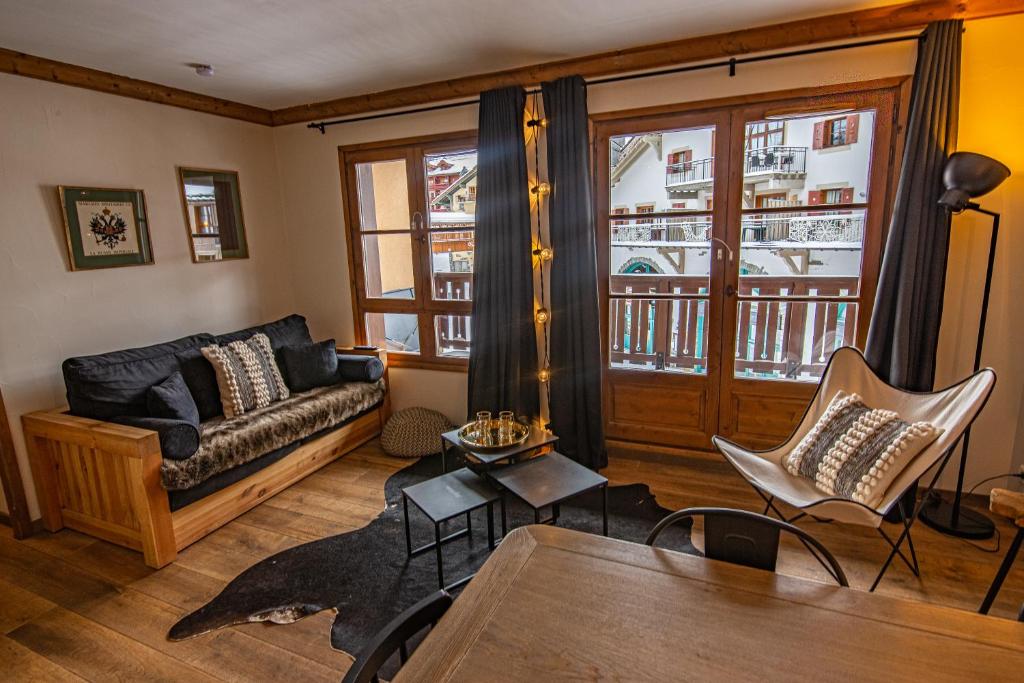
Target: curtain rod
730,63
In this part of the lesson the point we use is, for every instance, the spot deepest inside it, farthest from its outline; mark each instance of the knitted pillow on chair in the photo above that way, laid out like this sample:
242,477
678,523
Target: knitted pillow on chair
247,374
855,451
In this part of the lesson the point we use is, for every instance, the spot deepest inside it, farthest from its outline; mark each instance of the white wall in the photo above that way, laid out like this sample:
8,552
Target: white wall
54,134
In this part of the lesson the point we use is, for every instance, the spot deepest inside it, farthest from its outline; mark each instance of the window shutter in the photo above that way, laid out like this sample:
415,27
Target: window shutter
814,196
687,154
847,197
819,135
852,124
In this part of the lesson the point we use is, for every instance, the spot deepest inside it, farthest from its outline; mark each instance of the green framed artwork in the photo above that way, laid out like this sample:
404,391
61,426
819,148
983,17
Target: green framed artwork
105,227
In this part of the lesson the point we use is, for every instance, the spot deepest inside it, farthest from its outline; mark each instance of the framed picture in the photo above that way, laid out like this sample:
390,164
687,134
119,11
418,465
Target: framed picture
105,227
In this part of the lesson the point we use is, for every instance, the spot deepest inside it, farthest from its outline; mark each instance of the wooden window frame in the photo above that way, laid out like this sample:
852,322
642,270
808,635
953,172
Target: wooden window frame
412,150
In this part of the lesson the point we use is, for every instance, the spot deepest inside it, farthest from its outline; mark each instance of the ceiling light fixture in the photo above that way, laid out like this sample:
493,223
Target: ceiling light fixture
202,69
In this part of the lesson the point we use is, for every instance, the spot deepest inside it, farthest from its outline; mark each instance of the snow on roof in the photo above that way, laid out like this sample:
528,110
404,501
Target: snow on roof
450,217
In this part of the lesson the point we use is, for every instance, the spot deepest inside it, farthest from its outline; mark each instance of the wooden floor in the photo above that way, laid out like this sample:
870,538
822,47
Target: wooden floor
75,608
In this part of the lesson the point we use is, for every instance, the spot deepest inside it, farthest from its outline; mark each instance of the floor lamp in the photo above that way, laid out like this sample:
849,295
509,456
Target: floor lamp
968,175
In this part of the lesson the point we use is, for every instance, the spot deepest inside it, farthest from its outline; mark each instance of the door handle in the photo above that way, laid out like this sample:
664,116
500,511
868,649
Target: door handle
730,290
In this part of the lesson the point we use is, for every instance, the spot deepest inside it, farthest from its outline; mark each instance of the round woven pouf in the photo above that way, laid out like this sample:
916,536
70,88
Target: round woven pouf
414,433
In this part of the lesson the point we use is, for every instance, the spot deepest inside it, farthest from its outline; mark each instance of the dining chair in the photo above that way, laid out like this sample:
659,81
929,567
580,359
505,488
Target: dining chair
748,538
393,637
952,410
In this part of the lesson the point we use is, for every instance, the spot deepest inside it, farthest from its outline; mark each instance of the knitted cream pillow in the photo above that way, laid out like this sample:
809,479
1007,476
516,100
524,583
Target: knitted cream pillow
247,374
855,451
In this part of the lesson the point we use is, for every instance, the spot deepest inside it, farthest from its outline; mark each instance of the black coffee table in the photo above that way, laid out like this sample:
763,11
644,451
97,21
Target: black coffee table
538,439
446,497
550,479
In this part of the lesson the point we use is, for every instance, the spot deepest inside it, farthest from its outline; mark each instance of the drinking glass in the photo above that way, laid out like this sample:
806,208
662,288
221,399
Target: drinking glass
506,418
483,426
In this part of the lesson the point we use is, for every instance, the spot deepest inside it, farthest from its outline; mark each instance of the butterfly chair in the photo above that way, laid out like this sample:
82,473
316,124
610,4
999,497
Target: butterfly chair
426,612
747,538
952,410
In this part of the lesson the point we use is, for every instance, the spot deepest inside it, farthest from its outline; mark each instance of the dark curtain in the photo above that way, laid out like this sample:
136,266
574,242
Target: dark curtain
224,199
503,355
904,327
575,405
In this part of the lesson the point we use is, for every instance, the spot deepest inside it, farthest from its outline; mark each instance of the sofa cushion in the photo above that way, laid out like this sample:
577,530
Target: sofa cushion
247,374
116,383
288,331
310,366
179,440
171,399
226,444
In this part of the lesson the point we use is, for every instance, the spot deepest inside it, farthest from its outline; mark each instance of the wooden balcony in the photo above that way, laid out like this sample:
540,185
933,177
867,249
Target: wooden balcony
786,328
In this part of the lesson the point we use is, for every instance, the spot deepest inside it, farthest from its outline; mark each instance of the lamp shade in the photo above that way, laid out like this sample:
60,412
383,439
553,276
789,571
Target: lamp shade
968,175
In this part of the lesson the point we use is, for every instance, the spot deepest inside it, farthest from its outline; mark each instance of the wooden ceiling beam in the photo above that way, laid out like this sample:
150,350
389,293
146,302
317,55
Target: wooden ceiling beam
793,34
31,66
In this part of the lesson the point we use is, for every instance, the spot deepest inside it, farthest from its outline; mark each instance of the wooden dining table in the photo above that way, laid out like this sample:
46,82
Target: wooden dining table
558,605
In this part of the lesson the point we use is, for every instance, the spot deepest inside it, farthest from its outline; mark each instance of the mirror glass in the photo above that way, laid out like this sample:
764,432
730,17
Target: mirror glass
213,214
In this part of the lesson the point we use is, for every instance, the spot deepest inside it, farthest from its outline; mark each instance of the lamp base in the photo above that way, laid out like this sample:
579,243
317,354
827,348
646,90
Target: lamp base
938,514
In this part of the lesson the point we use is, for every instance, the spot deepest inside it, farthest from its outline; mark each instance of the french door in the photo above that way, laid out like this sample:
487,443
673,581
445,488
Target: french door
739,246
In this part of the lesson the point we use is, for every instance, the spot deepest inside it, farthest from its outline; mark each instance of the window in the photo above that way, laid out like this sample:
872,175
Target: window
411,228
836,132
765,134
837,195
620,211
644,208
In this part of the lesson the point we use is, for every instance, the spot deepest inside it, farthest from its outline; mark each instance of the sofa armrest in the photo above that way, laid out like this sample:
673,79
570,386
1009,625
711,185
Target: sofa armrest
101,478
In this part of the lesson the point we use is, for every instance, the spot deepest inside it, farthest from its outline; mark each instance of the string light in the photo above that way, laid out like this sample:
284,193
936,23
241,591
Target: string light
544,375
543,253
541,189
542,315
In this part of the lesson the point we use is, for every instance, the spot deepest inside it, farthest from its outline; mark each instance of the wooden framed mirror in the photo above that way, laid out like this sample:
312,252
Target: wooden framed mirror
212,201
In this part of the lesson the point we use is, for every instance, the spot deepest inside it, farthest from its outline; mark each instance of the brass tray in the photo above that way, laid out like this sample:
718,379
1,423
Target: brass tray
490,440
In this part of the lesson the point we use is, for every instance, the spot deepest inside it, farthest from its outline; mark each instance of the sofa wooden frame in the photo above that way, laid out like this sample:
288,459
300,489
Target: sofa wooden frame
103,479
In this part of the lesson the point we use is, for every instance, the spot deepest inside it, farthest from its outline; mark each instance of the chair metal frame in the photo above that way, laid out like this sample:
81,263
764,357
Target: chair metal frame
832,503
815,547
393,637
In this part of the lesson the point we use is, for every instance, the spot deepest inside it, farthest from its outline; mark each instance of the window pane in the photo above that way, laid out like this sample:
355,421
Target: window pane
387,266
669,335
394,331
383,195
653,173
451,191
452,335
451,261
815,249
791,340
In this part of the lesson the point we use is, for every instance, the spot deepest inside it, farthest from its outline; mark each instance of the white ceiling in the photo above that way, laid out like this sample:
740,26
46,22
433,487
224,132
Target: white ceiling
278,53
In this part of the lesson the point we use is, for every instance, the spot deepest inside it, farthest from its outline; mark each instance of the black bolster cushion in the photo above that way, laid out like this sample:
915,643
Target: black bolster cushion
179,440
353,368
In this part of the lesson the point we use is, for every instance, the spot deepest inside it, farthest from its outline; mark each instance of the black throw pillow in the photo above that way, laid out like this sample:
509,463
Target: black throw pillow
202,383
308,366
356,368
171,400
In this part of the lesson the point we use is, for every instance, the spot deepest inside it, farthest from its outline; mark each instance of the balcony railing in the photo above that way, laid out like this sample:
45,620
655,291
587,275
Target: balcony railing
684,172
777,228
453,286
775,338
776,159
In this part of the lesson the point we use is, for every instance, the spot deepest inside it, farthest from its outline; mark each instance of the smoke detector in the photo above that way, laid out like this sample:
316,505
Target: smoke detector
203,69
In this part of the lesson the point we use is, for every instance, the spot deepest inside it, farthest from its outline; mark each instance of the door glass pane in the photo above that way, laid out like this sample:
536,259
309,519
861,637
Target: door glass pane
394,331
383,195
652,174
451,194
387,265
664,334
797,239
791,340
452,335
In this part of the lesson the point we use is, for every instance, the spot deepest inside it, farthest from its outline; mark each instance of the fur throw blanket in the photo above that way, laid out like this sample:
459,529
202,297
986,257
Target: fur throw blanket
228,443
